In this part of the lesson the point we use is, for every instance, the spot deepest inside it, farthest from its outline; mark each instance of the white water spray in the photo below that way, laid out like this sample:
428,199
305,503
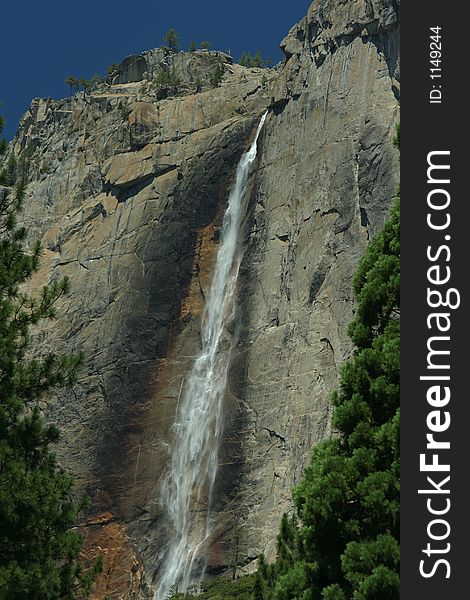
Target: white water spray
187,490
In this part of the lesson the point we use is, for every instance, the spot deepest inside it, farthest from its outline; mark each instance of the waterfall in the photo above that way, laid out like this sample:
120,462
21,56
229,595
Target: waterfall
186,492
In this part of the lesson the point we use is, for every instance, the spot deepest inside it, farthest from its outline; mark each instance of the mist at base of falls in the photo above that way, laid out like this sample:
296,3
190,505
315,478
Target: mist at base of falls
197,430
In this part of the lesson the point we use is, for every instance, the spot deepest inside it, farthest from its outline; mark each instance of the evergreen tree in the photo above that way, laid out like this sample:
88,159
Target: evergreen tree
192,46
85,84
217,74
38,551
246,59
347,543
167,82
8,173
258,60
219,588
94,81
172,40
72,82
205,45
237,550
112,69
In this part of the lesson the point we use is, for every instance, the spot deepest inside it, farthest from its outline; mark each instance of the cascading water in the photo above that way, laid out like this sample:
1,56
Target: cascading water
186,492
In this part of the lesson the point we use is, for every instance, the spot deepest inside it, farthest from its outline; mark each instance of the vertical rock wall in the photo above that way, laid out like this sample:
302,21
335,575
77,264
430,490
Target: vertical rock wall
327,175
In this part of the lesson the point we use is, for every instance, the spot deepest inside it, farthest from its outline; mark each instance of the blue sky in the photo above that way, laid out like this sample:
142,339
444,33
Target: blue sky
41,43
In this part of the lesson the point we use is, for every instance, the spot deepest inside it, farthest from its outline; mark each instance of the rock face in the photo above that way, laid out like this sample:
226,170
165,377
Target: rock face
128,184
325,181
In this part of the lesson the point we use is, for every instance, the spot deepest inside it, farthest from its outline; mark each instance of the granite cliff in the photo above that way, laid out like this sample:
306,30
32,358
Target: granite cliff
127,187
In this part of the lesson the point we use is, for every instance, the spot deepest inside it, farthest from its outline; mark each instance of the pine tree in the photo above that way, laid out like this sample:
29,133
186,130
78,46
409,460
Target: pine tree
192,46
217,74
205,45
72,82
85,83
38,551
9,171
113,67
347,543
258,60
171,39
94,81
167,82
246,59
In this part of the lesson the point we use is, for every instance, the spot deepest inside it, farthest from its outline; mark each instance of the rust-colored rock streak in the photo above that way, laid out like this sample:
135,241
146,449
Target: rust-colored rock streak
122,575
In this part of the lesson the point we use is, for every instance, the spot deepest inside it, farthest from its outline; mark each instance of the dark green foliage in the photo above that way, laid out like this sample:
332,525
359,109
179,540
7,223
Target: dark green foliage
377,285
192,46
247,60
205,45
95,80
167,82
347,543
8,173
82,83
222,588
163,78
72,82
85,84
217,74
112,68
16,171
38,551
22,169
172,40
258,60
